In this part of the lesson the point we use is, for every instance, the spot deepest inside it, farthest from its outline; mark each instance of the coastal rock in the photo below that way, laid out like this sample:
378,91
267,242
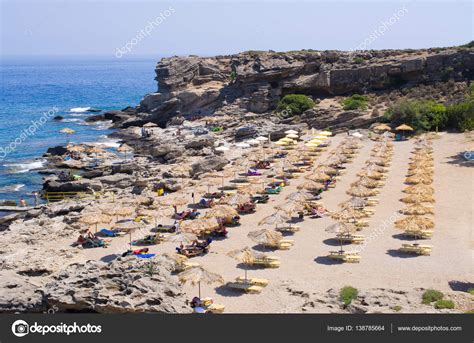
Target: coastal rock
95,118
72,186
200,143
245,132
19,295
255,81
208,164
117,180
57,151
123,286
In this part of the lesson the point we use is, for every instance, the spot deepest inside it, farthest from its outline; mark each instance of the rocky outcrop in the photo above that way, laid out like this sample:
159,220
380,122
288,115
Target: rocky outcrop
255,81
128,285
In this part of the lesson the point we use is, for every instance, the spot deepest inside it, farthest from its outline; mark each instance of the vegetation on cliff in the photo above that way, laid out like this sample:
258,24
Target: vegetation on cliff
355,102
294,104
428,115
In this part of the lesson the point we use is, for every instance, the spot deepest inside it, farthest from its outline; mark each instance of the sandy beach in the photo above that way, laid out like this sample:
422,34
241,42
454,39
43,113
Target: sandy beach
305,269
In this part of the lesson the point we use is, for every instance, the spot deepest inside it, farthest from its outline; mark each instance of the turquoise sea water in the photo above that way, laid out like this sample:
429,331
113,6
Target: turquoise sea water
33,89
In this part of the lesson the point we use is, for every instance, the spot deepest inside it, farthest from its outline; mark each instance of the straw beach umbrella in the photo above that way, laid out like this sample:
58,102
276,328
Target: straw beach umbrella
417,198
416,209
182,238
274,219
265,237
95,219
125,149
419,189
221,211
127,226
198,275
423,223
245,256
361,191
67,131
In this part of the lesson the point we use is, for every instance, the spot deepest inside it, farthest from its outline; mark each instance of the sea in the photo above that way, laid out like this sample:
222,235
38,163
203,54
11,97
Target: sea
34,90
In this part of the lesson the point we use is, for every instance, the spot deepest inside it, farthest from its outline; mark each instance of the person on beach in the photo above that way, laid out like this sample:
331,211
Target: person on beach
36,200
23,203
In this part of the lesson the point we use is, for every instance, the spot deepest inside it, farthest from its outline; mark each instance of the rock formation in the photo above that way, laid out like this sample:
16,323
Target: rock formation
255,81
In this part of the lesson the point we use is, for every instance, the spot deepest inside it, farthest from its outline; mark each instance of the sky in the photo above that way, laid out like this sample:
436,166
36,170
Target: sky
127,29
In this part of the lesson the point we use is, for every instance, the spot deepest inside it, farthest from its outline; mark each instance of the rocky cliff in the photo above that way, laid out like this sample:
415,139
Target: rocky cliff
255,81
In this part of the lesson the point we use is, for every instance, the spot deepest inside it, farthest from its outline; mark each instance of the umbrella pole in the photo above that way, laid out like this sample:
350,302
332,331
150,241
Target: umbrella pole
246,273
199,289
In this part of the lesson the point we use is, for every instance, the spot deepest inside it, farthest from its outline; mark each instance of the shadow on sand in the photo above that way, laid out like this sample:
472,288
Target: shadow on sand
397,253
461,286
326,260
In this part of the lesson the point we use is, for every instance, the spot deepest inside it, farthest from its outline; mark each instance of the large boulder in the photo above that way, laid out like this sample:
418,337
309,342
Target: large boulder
72,186
127,285
208,164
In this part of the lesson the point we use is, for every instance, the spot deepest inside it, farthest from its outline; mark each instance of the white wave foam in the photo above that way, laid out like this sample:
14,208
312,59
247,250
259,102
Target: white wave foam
71,120
11,188
108,143
26,166
79,109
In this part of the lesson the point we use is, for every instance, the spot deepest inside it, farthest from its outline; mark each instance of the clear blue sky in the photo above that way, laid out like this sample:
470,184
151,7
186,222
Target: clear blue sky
221,27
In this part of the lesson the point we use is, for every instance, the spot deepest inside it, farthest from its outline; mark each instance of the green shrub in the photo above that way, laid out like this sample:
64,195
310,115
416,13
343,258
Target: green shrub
442,304
294,104
460,116
233,76
471,291
355,102
358,60
348,294
423,115
397,308
431,295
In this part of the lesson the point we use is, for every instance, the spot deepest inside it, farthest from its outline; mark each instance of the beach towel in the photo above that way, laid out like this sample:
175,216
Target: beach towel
108,233
145,255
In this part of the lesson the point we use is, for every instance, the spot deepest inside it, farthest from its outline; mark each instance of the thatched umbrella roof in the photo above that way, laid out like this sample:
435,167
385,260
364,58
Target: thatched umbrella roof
419,189
422,222
366,182
173,200
198,275
67,131
311,186
182,238
341,227
382,127
319,176
236,199
221,211
416,209
374,175
361,191
354,202
265,236
417,179
417,198
404,127
299,196
274,219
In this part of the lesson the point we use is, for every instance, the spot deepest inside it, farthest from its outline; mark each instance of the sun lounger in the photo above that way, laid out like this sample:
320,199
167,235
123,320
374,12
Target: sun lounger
253,281
350,238
426,234
215,308
245,287
343,256
415,248
284,246
266,263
